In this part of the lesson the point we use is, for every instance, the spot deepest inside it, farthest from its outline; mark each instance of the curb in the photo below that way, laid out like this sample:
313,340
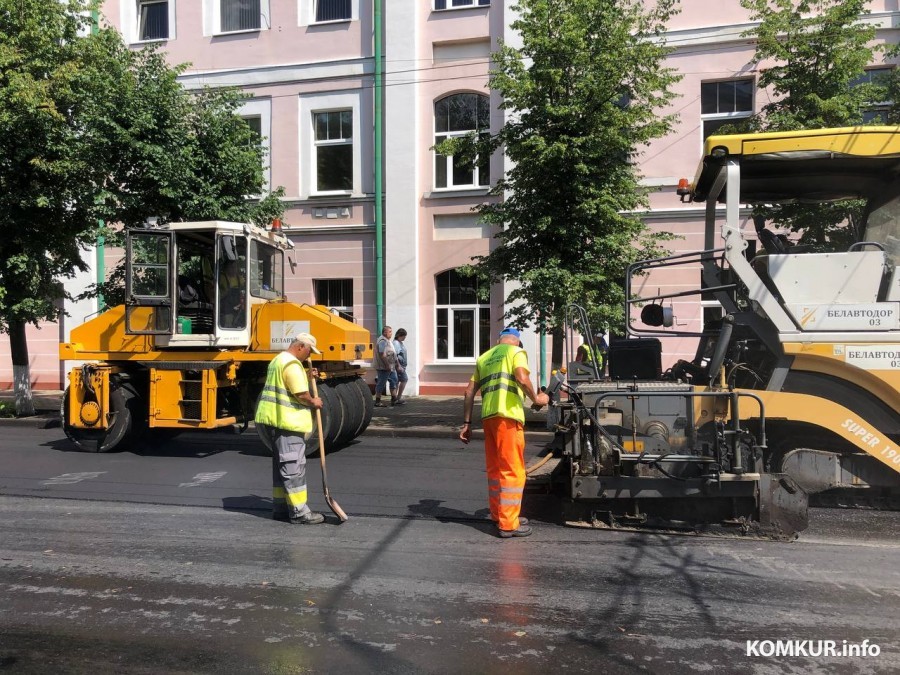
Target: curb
48,421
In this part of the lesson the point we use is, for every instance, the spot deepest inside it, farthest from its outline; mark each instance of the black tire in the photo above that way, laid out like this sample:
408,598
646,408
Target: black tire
368,403
125,412
332,414
354,411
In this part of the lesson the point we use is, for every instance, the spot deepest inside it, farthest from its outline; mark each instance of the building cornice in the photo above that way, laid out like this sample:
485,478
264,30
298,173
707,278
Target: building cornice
279,74
329,229
689,38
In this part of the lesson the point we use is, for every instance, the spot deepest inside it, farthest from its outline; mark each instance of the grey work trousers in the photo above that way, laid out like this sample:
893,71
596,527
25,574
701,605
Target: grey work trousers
289,496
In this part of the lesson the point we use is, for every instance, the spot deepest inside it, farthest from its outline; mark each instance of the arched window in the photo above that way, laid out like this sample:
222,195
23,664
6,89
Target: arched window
458,115
463,321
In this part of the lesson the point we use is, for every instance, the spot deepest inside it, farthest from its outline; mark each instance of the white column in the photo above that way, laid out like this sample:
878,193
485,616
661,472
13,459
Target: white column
401,151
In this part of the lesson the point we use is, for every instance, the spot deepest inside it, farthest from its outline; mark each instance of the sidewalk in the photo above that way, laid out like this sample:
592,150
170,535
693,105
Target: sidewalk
421,417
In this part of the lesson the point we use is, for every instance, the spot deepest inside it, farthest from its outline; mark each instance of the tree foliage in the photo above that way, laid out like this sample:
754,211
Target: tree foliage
582,97
811,52
94,131
176,156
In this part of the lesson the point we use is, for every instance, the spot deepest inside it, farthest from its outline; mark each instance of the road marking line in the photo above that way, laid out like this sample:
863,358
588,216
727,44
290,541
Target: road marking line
203,478
72,478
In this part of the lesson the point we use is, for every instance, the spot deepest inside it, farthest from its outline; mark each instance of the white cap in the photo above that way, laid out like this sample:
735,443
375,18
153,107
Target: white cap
308,339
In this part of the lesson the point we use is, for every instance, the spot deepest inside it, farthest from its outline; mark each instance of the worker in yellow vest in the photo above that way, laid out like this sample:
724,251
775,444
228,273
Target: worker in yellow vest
588,353
502,376
284,419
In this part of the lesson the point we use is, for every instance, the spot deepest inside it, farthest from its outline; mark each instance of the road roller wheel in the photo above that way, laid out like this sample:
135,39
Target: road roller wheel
368,403
332,414
354,411
123,403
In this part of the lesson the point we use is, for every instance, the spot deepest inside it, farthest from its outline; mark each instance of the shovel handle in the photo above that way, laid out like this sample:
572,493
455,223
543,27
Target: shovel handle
332,504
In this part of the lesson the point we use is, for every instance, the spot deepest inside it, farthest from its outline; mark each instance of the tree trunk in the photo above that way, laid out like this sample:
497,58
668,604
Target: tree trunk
556,356
18,347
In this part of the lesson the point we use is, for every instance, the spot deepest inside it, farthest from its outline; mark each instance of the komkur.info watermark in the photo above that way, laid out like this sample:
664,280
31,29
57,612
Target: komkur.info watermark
829,648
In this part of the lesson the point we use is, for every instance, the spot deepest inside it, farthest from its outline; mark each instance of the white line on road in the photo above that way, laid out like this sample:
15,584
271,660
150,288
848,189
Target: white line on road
203,478
72,478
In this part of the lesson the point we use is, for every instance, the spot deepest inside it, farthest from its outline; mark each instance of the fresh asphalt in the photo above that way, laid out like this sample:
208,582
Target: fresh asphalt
163,559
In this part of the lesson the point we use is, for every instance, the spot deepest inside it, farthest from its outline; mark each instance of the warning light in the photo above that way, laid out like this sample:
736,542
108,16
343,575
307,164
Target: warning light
684,188
276,225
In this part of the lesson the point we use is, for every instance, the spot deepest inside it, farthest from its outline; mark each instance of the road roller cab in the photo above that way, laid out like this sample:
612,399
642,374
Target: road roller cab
205,312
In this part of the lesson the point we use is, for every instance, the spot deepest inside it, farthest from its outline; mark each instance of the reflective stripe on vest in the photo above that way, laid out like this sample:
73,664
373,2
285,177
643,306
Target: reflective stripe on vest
500,393
278,407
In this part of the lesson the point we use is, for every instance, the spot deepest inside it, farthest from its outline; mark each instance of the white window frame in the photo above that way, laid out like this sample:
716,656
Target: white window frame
451,310
129,11
330,143
328,102
468,4
212,19
262,108
448,159
727,116
306,13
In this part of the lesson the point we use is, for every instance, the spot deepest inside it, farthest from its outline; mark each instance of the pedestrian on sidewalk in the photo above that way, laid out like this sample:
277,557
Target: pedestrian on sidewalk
284,419
402,361
385,366
502,375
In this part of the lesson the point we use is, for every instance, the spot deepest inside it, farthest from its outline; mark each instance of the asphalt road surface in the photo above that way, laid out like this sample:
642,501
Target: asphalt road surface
166,561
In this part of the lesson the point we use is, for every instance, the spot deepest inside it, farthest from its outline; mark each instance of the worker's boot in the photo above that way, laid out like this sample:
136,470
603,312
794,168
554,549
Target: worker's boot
393,400
311,518
378,403
523,531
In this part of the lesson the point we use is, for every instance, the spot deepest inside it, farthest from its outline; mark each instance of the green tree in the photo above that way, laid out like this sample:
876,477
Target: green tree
811,51
583,96
93,131
176,156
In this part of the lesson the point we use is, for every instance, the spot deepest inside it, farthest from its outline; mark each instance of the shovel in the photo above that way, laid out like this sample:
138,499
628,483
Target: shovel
333,505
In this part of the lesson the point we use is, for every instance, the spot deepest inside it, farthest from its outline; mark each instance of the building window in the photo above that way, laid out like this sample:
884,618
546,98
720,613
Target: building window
875,112
255,124
453,4
334,150
238,15
724,103
711,312
153,20
459,115
336,294
257,114
333,10
462,321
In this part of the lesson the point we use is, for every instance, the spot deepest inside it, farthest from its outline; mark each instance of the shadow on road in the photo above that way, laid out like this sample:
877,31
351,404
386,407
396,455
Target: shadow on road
431,508
252,505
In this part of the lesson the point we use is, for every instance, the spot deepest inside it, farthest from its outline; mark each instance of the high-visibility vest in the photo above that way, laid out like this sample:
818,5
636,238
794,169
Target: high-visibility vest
589,355
500,393
277,406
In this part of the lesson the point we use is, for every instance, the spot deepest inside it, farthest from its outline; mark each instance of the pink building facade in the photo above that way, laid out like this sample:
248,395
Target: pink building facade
309,66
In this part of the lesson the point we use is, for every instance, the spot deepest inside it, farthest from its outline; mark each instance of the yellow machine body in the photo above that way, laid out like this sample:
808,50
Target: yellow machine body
811,336
173,359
